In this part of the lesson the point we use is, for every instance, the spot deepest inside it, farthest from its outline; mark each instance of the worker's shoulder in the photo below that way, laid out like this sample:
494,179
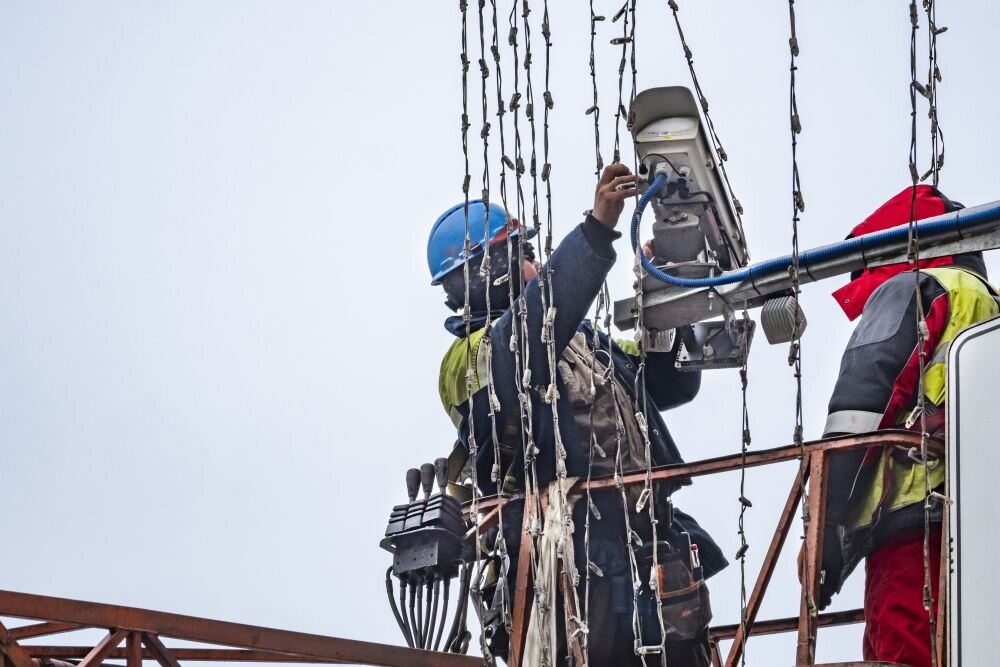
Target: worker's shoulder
452,379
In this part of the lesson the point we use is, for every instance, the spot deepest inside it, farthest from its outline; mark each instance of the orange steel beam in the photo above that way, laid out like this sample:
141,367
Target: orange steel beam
41,630
10,649
896,438
780,625
103,648
123,619
766,570
194,654
133,649
161,654
815,525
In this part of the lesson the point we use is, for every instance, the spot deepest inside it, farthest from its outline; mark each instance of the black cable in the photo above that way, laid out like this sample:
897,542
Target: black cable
433,622
395,609
413,621
444,615
402,606
428,612
420,613
462,603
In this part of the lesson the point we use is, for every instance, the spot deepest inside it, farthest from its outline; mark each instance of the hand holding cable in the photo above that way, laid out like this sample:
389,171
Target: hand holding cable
617,183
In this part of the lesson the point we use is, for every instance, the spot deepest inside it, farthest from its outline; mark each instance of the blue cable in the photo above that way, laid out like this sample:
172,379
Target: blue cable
955,221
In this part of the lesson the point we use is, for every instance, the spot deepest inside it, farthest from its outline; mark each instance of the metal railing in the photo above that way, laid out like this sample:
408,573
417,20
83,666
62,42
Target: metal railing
142,631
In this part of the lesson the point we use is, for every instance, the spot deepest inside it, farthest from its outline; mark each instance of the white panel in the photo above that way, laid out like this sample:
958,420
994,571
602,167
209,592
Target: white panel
973,475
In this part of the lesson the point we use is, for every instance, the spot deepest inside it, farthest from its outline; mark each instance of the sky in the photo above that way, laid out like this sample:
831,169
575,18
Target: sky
219,343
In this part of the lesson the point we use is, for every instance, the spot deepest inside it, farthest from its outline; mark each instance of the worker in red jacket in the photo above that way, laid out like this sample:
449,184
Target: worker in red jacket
875,503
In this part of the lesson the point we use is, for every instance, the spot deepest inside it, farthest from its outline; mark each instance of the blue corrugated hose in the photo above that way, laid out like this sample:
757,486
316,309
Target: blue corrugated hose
956,221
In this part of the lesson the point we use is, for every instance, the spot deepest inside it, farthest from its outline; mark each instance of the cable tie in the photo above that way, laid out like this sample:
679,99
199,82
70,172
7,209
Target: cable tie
940,497
641,502
593,510
641,419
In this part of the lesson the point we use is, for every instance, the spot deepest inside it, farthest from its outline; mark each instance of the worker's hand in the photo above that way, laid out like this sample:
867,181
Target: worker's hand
647,249
609,200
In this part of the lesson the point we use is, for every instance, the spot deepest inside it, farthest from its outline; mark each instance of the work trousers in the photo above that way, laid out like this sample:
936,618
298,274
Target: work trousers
611,639
897,628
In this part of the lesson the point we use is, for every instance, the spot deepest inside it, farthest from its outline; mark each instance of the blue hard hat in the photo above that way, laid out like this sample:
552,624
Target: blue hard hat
446,244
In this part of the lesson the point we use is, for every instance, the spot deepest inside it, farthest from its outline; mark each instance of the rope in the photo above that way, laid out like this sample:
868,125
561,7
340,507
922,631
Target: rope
720,152
930,93
498,553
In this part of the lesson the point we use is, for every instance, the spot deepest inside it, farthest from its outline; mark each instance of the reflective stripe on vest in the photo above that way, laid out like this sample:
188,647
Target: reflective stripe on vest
970,300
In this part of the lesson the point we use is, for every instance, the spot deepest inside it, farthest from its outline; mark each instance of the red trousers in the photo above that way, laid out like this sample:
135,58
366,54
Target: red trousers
896,625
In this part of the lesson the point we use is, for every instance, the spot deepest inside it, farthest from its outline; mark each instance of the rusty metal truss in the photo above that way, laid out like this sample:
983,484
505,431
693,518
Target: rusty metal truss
137,635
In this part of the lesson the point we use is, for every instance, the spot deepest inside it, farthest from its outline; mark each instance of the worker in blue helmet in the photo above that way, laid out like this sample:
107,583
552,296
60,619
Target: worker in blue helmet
500,349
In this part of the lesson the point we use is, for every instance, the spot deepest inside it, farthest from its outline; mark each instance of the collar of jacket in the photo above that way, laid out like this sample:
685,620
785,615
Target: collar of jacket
925,202
456,324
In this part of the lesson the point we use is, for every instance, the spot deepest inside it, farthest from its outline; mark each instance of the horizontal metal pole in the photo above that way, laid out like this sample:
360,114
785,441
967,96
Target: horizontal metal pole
669,307
191,654
41,630
780,625
894,437
191,628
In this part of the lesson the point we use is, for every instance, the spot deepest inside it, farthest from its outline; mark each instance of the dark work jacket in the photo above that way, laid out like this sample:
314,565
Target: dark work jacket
578,268
880,362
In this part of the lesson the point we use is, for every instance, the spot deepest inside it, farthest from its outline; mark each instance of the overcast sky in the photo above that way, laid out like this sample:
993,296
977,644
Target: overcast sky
218,343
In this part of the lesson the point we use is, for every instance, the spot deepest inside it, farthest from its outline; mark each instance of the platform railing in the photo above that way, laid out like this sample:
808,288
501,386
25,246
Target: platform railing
814,459
143,631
